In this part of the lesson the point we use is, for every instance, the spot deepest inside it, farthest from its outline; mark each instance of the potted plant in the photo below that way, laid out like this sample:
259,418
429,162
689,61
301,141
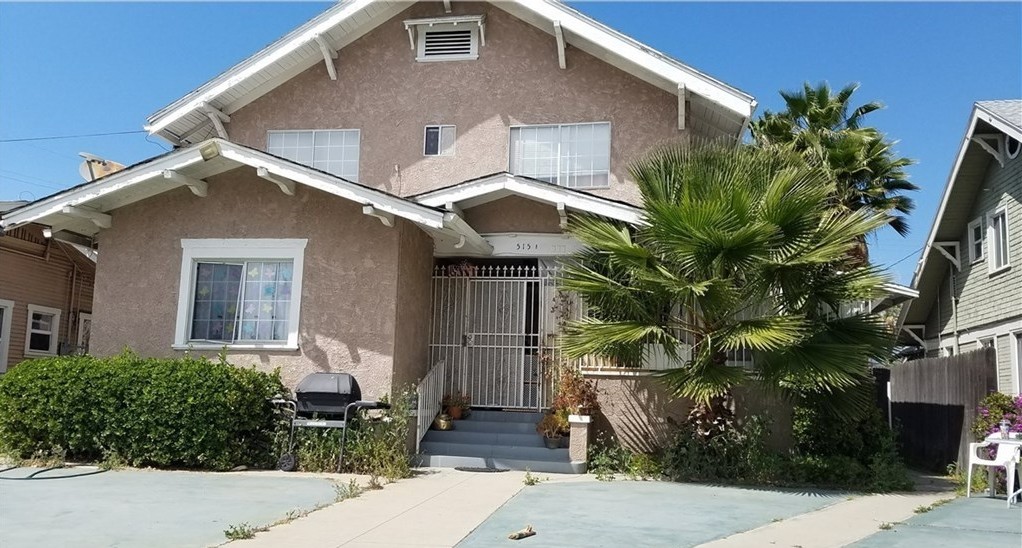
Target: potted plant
443,422
575,394
456,404
551,427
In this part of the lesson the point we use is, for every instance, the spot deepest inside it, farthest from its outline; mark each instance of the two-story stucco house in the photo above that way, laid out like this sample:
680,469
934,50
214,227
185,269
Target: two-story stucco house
970,275
383,189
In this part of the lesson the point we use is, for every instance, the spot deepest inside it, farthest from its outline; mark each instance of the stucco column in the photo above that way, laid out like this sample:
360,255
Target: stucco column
578,449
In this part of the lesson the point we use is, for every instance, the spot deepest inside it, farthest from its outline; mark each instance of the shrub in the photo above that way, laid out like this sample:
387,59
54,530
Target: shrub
608,457
190,413
993,408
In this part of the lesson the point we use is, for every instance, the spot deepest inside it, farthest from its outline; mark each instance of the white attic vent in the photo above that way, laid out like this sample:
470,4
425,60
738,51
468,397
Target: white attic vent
446,38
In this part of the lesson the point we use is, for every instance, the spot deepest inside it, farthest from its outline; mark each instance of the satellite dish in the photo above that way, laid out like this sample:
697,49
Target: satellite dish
95,167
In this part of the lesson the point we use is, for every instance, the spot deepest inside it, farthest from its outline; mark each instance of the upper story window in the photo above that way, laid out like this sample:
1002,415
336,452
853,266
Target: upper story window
241,293
439,141
997,235
1012,146
976,240
334,151
452,38
569,155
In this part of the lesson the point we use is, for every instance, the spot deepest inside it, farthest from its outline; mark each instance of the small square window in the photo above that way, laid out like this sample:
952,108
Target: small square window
43,330
439,141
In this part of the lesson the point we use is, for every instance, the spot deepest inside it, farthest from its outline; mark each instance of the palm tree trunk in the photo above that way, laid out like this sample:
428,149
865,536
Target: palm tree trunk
713,418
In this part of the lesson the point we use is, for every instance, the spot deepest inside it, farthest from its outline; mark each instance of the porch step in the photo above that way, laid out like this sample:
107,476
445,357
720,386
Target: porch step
486,438
530,417
493,450
495,439
494,427
549,467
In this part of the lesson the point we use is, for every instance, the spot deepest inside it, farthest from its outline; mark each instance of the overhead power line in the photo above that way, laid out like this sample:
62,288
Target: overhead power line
53,137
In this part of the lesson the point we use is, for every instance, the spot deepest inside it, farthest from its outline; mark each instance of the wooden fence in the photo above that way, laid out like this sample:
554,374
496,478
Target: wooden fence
934,400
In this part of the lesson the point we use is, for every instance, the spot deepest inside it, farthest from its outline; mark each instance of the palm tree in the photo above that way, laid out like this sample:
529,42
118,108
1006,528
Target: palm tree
739,250
823,128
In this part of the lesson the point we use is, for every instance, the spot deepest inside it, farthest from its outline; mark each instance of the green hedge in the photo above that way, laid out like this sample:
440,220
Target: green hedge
189,413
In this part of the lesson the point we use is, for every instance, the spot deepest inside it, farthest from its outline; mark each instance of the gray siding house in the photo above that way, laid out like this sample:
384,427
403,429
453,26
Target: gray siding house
970,275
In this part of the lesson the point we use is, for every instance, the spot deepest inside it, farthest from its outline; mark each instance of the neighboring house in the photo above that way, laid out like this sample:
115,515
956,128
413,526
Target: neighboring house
386,188
45,293
970,275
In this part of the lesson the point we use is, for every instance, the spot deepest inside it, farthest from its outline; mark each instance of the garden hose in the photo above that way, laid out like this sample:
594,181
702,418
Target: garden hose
35,475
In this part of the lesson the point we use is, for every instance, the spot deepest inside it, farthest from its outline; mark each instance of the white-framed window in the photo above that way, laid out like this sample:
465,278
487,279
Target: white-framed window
6,316
988,342
977,242
439,140
447,42
947,351
1016,350
242,293
84,331
568,155
997,238
334,151
43,330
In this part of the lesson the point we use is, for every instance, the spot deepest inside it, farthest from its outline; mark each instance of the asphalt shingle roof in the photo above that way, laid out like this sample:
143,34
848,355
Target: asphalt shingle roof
1010,110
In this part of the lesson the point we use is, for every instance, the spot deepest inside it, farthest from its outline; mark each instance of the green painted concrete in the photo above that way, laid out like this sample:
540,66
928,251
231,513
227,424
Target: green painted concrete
648,514
977,522
147,508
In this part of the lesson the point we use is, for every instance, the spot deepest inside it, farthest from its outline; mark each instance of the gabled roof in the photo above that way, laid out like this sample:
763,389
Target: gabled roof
82,209
500,185
952,217
188,119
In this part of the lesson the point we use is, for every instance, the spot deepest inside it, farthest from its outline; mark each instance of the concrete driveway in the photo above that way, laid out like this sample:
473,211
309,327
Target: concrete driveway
147,508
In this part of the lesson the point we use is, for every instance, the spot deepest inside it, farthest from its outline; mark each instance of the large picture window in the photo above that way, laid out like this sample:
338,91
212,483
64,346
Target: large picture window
242,293
569,155
334,151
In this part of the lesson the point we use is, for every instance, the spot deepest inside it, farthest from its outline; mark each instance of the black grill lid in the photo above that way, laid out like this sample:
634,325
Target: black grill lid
326,393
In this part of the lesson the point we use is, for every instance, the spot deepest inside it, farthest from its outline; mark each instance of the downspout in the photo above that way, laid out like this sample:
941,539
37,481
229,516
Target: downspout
954,310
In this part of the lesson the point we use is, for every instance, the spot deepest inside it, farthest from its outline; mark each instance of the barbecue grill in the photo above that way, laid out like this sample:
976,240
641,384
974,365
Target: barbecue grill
323,400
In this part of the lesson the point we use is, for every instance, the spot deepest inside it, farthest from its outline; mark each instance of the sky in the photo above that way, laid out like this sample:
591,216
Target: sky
85,68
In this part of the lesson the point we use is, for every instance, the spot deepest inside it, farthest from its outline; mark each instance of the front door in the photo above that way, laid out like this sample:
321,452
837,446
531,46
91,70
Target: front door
486,327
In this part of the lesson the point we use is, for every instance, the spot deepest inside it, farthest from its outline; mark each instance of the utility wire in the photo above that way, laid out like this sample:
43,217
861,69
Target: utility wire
52,137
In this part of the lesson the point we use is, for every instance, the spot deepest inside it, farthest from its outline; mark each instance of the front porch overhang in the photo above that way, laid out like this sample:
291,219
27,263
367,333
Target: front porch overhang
492,187
84,209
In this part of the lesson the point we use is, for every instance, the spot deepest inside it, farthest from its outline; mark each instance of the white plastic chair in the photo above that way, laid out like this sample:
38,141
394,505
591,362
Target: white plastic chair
1007,456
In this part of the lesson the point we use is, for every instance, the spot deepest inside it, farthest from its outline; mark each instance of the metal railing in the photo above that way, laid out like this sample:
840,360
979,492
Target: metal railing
430,394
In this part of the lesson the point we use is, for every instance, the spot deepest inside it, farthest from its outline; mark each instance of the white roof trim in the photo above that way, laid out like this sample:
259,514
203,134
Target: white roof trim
254,64
182,158
572,21
978,113
536,190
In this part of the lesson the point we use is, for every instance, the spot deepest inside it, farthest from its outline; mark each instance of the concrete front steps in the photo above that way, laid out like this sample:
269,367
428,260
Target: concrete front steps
495,439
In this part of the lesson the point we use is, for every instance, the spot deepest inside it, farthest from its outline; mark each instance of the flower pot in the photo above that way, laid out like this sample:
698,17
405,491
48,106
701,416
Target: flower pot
565,442
455,412
552,443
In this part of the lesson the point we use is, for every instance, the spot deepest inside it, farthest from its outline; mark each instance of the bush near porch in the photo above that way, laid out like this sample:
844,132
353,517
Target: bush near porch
829,452
183,413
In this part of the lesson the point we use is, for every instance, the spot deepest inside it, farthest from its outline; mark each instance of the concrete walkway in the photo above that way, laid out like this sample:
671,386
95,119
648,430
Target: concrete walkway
435,509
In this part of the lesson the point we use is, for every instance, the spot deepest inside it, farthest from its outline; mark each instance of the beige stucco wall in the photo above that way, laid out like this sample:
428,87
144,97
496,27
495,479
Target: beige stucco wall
514,214
414,301
350,285
381,90
642,416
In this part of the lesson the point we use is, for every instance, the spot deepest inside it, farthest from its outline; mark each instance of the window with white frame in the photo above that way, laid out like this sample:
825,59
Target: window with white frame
439,140
569,155
334,151
988,342
997,236
43,330
241,293
1012,147
977,241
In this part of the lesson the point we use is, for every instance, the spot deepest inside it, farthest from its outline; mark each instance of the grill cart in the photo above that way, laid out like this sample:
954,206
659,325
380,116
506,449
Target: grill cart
323,400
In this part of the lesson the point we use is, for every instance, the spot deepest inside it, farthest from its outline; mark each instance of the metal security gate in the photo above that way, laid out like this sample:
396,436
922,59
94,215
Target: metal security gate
489,328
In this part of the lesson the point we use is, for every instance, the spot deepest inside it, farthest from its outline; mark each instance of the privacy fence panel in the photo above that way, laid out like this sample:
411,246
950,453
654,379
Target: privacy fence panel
934,402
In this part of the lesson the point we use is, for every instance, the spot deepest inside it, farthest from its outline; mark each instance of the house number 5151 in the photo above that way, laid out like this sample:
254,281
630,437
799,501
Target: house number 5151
526,246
